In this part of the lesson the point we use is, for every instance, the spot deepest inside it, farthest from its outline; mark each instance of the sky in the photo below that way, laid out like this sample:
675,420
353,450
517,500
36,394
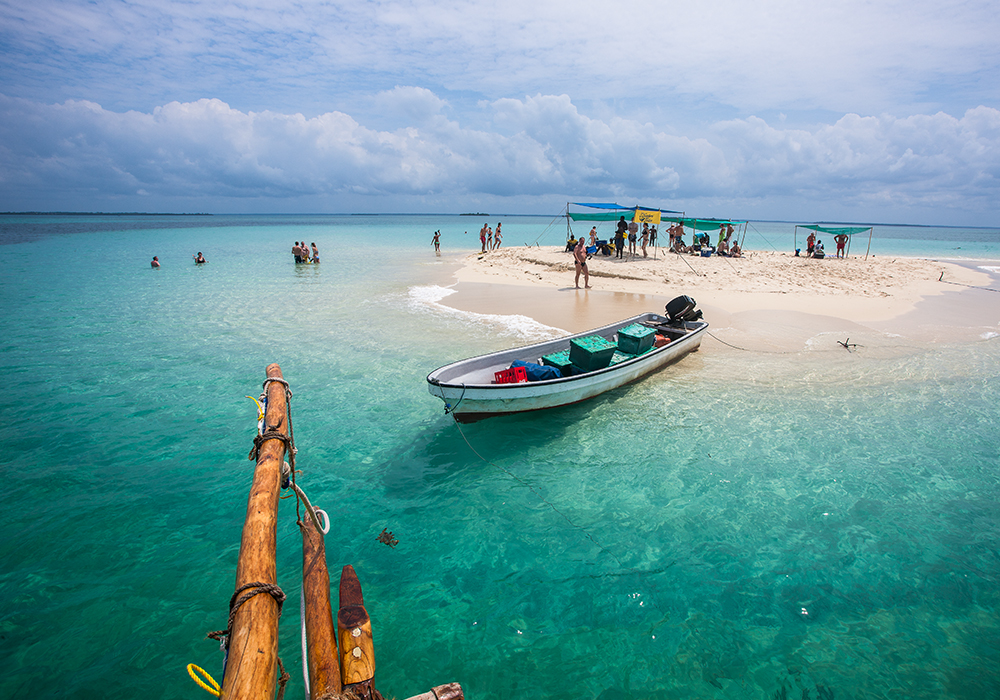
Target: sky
797,110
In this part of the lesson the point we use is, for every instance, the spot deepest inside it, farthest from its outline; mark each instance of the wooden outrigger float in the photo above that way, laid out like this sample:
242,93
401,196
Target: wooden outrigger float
251,640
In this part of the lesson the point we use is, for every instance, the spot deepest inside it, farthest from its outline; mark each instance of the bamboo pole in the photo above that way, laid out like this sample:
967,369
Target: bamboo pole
354,633
324,669
252,663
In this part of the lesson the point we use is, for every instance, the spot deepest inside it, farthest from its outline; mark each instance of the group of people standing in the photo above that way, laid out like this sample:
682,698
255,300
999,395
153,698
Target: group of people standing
489,238
814,247
629,230
301,252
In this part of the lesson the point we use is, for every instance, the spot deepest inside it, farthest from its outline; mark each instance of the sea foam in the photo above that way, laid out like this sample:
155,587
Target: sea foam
515,325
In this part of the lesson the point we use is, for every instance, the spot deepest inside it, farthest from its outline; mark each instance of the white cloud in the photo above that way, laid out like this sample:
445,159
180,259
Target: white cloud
538,146
865,56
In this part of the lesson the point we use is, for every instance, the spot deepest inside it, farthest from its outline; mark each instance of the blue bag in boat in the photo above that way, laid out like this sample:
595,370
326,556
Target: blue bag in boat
537,373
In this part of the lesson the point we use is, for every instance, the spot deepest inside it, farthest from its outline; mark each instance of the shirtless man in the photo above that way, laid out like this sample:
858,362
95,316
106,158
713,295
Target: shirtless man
482,237
580,255
297,252
155,262
841,240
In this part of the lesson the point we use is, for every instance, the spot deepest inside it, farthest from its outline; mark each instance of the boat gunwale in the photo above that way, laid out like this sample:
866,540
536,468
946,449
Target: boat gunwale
691,328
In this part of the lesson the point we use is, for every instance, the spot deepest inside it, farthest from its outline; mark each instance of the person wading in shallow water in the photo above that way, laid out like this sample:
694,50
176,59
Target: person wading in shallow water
155,262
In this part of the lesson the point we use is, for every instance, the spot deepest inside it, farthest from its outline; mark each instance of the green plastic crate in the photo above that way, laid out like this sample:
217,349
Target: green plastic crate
635,339
591,353
620,357
559,360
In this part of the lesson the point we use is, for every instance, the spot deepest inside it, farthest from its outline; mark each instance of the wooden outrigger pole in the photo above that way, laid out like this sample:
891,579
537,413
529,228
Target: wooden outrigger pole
252,661
252,645
324,671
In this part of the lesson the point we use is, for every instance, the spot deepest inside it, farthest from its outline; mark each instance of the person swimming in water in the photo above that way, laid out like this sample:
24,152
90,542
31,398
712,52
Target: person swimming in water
199,258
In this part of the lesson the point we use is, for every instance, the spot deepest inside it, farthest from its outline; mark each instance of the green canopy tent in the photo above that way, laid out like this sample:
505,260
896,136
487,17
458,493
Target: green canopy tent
711,225
611,212
848,231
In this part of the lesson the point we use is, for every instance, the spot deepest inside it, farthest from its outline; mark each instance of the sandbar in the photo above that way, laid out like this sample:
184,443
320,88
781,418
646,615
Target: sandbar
763,300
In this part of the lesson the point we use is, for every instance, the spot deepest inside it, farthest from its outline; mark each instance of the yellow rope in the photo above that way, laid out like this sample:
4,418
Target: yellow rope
260,409
191,671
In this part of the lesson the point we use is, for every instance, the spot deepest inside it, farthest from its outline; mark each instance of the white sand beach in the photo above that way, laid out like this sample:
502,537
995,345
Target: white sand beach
763,300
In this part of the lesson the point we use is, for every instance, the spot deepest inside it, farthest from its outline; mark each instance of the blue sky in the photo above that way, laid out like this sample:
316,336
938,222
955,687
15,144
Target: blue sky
863,111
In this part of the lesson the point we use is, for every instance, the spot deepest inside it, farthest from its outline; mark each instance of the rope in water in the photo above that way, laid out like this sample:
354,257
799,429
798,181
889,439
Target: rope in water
622,571
764,352
540,497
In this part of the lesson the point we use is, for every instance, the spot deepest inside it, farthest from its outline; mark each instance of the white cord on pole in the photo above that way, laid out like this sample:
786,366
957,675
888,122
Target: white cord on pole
305,643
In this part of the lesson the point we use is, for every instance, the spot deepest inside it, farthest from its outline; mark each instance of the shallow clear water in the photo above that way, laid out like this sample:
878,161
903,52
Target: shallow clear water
822,527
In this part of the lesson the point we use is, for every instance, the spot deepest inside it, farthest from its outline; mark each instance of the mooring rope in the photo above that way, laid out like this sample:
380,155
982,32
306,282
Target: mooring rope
969,286
764,352
540,497
451,409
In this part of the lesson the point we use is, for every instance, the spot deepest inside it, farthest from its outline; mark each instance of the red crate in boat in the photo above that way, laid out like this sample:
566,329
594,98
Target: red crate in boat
514,375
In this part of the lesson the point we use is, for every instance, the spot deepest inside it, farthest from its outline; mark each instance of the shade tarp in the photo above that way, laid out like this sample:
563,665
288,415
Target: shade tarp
597,205
703,224
849,230
598,216
612,212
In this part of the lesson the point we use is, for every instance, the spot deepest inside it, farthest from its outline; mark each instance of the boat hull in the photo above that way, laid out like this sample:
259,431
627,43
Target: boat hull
468,394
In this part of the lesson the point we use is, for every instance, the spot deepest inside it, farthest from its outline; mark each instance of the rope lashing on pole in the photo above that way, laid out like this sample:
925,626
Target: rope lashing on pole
242,595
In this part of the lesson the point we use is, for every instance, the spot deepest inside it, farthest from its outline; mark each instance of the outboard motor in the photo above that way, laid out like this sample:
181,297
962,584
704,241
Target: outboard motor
682,309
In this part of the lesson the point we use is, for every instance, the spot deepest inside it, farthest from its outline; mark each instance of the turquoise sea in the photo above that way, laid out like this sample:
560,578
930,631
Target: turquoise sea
821,525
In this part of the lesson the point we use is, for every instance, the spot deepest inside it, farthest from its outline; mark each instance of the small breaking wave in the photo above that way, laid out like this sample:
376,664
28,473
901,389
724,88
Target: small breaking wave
429,297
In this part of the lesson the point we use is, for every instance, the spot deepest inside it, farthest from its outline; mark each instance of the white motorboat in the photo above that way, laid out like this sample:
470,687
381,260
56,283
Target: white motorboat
470,390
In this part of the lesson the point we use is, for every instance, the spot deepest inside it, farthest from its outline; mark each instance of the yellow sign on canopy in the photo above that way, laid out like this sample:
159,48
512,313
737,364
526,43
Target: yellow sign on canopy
647,216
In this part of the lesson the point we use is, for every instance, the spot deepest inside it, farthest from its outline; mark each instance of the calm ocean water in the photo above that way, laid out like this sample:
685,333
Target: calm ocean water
821,527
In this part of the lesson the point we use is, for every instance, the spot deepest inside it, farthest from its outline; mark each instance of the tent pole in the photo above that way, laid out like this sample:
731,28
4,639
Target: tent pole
795,238
870,232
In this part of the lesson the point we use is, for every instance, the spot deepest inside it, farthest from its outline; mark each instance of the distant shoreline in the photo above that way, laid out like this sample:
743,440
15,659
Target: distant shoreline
433,214
98,213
